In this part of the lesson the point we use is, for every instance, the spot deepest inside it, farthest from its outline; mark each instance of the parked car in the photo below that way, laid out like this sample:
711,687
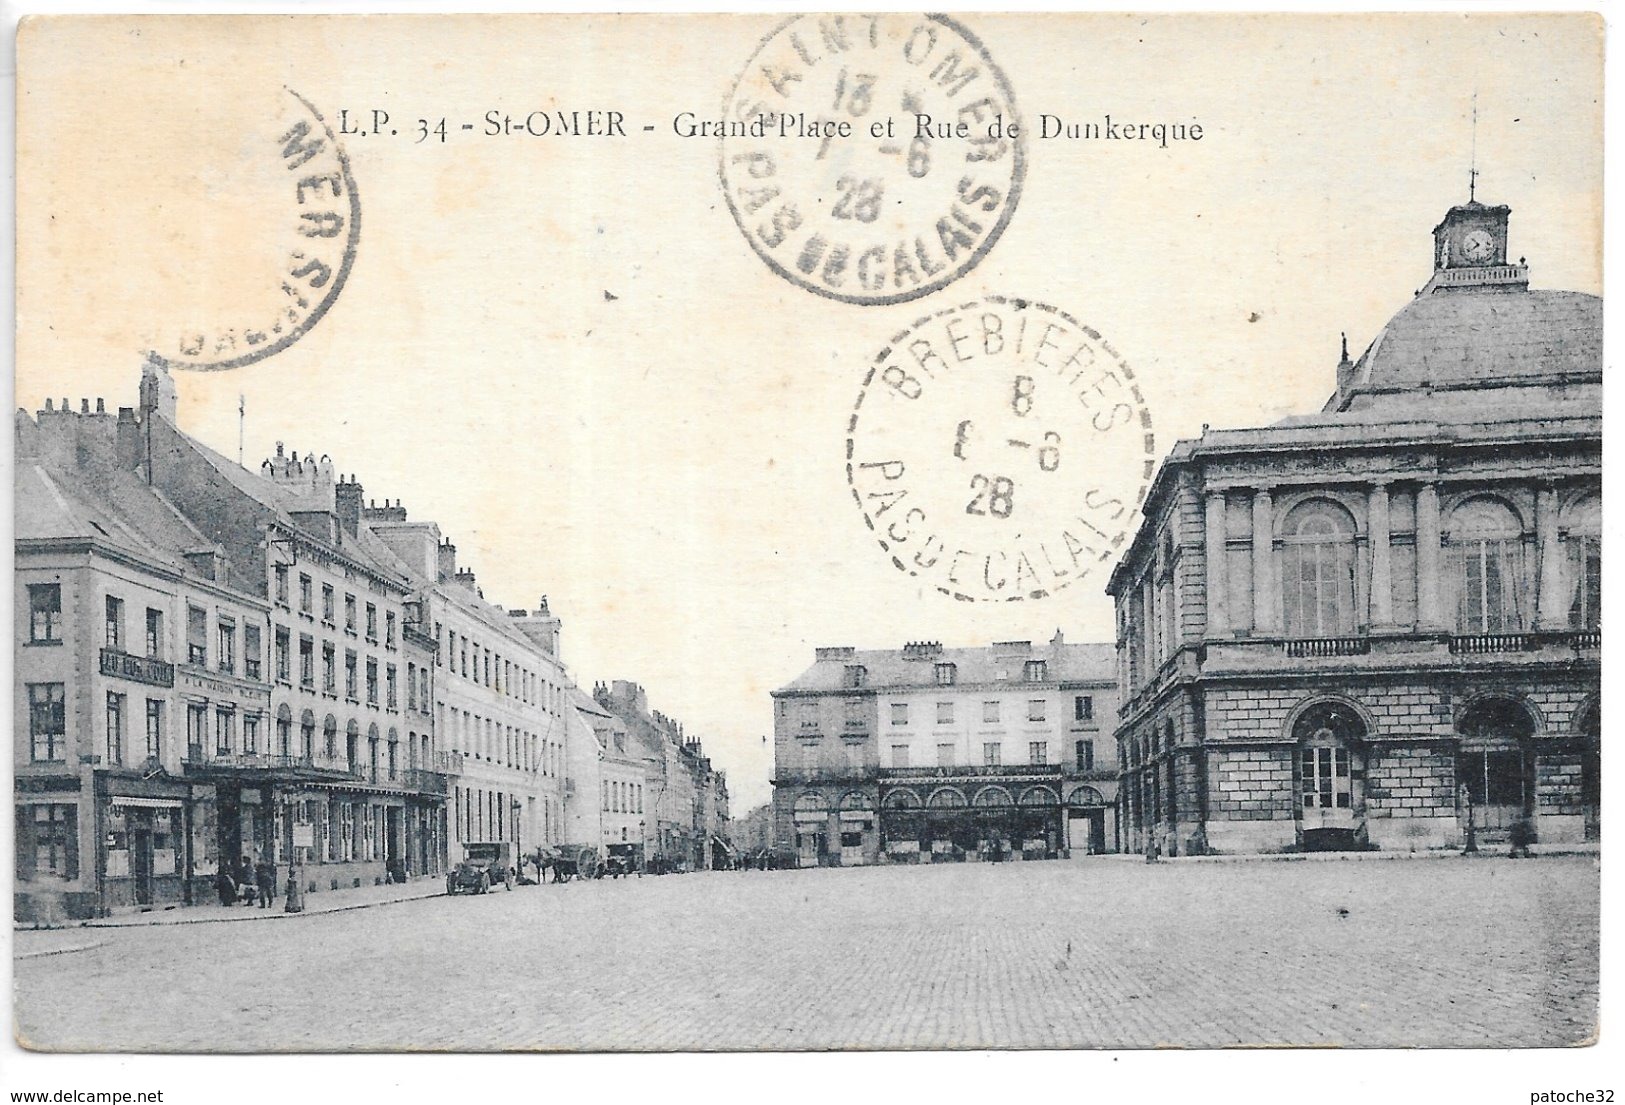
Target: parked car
484,866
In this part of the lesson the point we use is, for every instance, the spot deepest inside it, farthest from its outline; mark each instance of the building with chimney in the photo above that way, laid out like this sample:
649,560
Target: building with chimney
264,710
1378,625
683,797
933,754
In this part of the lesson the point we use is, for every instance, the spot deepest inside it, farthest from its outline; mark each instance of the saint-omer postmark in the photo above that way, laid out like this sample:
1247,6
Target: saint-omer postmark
872,158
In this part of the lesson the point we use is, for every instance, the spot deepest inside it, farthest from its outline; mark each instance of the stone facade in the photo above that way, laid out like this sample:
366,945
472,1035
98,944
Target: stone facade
1379,626
927,754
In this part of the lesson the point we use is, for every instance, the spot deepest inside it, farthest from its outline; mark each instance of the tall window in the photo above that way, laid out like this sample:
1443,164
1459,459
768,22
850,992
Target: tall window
115,623
411,686
228,648
115,728
1085,750
350,676
327,603
225,725
349,613
307,663
1037,709
1583,563
155,729
251,734
197,725
44,612
899,755
1326,778
990,712
372,681
55,838
946,674
389,687
1083,707
304,593
372,622
282,584
155,633
945,754
1486,567
282,660
899,713
992,754
197,635
1038,752
47,722
389,630
1317,570
251,651
1036,671
330,674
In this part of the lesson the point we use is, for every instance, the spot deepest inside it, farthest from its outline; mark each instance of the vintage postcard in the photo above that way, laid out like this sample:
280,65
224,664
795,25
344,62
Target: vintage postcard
769,532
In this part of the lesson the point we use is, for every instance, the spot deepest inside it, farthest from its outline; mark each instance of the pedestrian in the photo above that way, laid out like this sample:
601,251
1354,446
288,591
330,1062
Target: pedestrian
245,881
225,885
1520,835
265,881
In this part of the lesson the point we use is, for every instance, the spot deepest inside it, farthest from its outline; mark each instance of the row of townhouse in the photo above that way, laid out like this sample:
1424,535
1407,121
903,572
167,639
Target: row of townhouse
218,666
661,804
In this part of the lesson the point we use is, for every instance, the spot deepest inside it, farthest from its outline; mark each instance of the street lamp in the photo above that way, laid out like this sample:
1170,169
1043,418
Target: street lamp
1471,846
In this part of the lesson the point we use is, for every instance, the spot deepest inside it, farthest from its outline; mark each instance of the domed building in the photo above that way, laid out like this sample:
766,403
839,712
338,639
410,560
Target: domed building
1379,626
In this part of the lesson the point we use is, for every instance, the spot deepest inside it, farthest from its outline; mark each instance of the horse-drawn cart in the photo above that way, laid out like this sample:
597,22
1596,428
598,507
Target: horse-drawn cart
575,861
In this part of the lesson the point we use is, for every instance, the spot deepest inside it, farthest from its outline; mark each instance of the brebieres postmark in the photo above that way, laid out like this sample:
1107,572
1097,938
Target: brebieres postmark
999,450
310,214
869,158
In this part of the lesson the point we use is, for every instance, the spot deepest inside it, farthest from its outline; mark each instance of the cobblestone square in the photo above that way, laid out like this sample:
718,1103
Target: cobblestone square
1094,953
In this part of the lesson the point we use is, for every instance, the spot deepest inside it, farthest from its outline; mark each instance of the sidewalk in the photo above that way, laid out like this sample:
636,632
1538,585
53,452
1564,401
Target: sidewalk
326,901
1486,851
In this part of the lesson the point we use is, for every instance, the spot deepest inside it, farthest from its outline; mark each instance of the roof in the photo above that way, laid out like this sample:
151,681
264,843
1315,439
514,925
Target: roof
1489,336
895,669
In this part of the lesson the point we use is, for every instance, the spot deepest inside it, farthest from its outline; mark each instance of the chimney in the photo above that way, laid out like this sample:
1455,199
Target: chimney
448,561
157,390
347,503
130,445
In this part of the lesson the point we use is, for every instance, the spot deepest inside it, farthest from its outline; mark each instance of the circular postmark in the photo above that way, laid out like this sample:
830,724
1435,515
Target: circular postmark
999,450
298,166
872,158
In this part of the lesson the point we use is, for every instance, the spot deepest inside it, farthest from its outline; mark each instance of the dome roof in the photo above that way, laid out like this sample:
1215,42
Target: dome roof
1484,337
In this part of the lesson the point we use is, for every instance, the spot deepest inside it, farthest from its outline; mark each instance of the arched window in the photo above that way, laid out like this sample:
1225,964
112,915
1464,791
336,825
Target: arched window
1317,570
1486,567
902,799
811,803
993,796
307,735
330,728
1582,560
1325,733
854,800
946,798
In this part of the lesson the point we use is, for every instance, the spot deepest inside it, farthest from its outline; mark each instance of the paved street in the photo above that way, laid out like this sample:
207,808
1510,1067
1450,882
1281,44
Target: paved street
1104,952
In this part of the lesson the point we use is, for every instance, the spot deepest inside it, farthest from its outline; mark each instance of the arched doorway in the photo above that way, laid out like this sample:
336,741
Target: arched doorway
811,816
1330,738
857,817
949,827
902,825
1495,766
1039,820
1085,821
1588,734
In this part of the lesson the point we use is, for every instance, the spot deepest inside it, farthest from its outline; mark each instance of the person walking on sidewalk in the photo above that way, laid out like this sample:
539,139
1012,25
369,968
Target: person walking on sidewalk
265,881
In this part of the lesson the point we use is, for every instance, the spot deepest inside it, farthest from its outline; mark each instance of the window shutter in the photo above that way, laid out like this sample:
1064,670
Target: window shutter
70,830
25,843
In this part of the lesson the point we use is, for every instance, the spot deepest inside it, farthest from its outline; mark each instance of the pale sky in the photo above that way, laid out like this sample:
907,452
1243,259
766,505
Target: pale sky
565,352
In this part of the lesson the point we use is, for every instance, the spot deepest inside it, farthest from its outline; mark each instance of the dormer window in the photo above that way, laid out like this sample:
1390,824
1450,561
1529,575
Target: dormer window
947,674
856,675
1037,671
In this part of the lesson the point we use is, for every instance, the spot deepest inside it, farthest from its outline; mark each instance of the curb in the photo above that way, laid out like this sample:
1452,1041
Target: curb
1373,857
257,916
59,951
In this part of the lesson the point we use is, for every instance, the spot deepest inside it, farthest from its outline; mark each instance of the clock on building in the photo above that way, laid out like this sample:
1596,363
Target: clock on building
1477,247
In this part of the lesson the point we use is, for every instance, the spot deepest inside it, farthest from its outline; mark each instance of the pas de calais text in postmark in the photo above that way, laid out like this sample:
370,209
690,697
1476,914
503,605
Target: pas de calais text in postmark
307,231
999,450
869,158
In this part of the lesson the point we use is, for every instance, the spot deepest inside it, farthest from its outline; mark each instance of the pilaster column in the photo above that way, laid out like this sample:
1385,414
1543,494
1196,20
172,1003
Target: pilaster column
1550,613
1429,610
1218,618
1382,589
1266,605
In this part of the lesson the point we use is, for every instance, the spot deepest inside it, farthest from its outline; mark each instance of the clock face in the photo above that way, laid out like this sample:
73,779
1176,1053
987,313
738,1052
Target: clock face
1477,246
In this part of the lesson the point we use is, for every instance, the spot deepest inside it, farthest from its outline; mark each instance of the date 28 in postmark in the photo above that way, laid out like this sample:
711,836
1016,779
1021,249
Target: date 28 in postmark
999,450
869,158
